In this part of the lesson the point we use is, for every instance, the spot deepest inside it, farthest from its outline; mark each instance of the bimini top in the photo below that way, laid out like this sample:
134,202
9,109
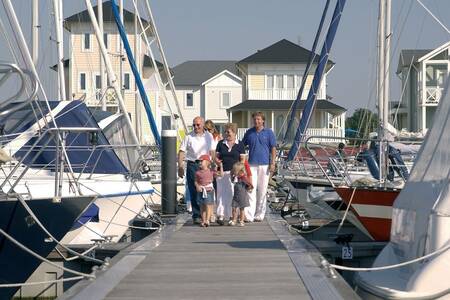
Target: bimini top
86,152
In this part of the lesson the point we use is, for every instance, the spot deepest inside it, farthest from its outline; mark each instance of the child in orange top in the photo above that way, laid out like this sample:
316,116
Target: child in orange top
240,201
204,185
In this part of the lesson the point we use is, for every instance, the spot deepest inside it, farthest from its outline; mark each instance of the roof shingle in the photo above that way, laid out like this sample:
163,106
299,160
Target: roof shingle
283,51
283,105
195,72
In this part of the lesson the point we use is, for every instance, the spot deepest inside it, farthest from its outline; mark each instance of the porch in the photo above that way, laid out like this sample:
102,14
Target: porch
328,118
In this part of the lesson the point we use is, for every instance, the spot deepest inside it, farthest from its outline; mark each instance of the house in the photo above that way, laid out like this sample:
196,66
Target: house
423,73
207,88
271,78
82,69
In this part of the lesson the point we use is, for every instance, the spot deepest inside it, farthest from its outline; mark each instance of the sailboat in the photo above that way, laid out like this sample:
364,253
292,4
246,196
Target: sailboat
419,246
373,204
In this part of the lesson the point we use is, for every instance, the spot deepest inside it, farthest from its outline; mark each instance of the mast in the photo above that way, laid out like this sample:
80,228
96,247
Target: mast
57,9
380,88
110,72
102,63
35,31
387,58
137,57
121,52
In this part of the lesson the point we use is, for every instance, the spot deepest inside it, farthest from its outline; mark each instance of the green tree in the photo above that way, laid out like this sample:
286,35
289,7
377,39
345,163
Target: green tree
363,121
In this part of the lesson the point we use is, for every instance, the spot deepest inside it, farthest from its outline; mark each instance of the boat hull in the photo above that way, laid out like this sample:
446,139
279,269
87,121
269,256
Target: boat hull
372,207
16,265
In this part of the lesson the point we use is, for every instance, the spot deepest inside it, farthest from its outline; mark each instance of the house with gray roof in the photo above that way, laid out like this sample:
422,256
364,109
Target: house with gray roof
271,79
206,88
423,73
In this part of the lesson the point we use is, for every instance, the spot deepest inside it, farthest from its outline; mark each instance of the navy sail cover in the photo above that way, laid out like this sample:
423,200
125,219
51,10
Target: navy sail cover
87,152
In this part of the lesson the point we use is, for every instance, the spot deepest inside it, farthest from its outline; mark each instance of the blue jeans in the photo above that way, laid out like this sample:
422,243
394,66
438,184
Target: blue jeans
191,168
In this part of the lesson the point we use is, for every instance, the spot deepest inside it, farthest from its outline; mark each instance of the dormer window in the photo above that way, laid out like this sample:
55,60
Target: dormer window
87,42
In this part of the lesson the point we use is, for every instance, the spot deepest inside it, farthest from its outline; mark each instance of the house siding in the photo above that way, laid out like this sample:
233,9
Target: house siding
213,91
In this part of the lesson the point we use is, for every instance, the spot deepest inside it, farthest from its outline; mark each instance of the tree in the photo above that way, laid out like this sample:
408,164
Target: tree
362,122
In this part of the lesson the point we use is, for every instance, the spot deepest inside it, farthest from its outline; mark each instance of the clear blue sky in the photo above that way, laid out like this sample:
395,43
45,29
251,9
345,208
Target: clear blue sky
234,29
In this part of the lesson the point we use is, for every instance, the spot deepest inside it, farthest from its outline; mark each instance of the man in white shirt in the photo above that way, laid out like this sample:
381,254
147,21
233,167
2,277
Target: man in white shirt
194,145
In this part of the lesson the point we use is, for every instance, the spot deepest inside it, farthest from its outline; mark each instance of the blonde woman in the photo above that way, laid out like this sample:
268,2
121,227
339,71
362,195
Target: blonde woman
228,151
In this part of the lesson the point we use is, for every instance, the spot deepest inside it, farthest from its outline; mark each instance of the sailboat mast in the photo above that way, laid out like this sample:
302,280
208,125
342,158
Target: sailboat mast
57,9
380,87
35,30
102,62
387,58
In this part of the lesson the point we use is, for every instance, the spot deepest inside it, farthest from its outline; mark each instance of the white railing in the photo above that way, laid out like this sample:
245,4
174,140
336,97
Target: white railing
328,132
433,95
273,94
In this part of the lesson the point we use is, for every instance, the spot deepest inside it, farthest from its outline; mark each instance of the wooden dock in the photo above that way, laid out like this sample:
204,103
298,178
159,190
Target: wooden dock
183,261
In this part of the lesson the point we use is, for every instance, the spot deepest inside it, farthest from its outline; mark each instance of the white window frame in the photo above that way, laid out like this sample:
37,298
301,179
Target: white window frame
85,82
221,99
185,100
83,46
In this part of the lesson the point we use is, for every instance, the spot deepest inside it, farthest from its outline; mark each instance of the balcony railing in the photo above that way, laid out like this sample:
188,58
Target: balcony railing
273,94
328,132
433,95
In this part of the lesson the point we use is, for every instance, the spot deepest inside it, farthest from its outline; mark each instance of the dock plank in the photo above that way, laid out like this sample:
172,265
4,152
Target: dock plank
219,262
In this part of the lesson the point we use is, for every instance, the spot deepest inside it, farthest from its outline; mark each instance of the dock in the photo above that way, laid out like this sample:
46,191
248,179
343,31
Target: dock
184,261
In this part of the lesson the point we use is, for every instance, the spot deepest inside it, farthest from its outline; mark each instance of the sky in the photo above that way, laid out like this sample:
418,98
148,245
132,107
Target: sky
235,29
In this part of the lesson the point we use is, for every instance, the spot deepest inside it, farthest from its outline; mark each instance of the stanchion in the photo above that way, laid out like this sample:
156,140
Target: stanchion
169,172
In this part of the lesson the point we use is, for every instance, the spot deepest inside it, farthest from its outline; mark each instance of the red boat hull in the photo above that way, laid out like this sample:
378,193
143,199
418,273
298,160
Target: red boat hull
373,208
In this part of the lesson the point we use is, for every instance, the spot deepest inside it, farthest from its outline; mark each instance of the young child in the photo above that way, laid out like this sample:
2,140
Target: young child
242,184
204,185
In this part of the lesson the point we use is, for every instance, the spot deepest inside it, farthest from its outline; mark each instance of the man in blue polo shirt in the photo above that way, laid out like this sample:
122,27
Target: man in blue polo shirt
262,152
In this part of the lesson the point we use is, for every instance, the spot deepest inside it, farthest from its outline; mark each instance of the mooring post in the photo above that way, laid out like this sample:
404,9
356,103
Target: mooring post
169,172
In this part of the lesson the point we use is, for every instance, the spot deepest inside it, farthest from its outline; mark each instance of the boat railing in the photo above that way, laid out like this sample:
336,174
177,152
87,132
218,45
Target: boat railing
352,163
61,167
26,78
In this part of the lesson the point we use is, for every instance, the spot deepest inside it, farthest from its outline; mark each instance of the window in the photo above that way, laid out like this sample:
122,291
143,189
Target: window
225,99
87,41
126,81
279,81
189,100
290,81
82,81
269,82
105,40
98,82
166,122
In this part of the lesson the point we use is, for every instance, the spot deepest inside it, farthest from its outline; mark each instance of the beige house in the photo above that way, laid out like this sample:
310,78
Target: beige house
271,78
83,80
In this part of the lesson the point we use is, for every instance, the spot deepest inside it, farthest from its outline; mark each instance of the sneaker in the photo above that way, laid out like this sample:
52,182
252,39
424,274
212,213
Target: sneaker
212,219
207,224
257,220
241,224
220,221
189,207
231,223
203,225
197,221
248,221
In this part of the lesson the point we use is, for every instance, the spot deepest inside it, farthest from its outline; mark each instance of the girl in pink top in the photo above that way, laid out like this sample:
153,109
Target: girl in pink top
204,185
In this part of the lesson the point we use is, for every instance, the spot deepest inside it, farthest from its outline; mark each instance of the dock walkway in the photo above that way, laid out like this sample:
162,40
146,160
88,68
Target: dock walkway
258,261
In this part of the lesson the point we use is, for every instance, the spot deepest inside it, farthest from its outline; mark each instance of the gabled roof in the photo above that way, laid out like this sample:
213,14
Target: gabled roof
283,51
410,55
285,105
196,72
108,16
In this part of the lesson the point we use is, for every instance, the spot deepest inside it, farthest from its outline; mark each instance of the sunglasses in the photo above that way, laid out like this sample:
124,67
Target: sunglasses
196,125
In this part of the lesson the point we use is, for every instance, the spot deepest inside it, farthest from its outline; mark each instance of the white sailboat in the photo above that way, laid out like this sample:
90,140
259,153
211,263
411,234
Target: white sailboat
420,225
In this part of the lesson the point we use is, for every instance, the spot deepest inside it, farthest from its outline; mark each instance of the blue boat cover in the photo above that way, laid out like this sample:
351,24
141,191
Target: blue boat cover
90,215
86,152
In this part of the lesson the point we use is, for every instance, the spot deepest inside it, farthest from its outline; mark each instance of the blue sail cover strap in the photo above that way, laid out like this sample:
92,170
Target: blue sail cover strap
136,74
312,95
305,75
